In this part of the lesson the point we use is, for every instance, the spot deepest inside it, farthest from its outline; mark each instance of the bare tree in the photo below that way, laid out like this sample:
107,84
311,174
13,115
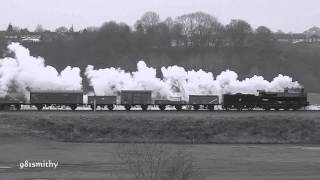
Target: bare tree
39,29
200,28
62,30
10,28
238,32
148,21
157,162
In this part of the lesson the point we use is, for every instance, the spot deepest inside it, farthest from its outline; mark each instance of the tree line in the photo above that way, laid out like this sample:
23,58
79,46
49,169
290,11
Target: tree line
195,40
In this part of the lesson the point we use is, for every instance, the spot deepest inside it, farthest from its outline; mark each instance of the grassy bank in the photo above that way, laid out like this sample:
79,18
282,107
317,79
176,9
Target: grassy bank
172,127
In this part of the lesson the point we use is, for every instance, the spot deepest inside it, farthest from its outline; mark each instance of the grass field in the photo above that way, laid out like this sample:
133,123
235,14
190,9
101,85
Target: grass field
170,127
62,135
98,160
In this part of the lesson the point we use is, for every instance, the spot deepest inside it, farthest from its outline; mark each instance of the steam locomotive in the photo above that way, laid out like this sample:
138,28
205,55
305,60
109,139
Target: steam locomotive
289,99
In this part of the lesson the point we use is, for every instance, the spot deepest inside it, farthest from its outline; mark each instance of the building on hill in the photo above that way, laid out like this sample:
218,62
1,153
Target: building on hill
314,30
281,37
313,39
297,38
30,38
11,37
22,37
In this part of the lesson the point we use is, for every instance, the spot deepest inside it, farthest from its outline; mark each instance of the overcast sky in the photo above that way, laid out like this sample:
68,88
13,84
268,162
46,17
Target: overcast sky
287,15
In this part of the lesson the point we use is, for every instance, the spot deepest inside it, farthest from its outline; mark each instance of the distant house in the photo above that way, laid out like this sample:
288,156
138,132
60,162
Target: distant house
283,37
313,39
174,43
291,38
11,37
178,43
32,38
298,38
19,37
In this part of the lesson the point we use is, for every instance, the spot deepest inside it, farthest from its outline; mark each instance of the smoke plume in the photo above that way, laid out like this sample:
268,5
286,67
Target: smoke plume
23,73
178,82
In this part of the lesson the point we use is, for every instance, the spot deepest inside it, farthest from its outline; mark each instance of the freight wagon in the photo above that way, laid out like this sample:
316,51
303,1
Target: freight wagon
102,101
240,101
163,103
132,98
6,103
206,101
41,99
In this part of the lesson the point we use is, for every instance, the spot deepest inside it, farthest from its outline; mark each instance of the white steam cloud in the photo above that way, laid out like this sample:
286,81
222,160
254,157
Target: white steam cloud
24,72
177,82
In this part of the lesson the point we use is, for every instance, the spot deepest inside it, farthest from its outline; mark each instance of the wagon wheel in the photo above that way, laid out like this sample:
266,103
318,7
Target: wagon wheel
211,107
250,108
196,107
73,107
162,107
178,107
92,106
111,107
127,107
18,107
39,107
239,108
267,108
144,107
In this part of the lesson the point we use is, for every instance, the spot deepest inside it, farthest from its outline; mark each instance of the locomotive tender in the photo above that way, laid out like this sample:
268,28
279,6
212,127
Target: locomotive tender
293,99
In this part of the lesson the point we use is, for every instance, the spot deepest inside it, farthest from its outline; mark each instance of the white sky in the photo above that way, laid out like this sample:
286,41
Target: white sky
287,15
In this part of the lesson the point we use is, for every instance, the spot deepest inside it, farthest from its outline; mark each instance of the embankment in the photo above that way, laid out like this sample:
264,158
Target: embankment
171,127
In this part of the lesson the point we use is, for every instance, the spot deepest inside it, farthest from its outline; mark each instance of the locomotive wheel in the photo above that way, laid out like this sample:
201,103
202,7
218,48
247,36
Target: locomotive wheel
127,107
178,107
92,106
73,107
111,107
239,108
162,107
18,107
144,107
267,108
196,107
39,107
211,107
277,109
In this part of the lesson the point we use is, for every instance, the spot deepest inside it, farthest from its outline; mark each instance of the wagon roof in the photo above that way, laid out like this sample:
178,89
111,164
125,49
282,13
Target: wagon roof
203,95
56,91
101,96
136,91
